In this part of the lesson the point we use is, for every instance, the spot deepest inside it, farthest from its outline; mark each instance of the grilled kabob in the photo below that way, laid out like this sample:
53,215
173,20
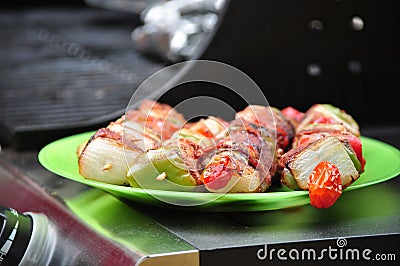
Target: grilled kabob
106,156
319,151
174,165
243,161
246,160
241,158
329,114
326,156
273,120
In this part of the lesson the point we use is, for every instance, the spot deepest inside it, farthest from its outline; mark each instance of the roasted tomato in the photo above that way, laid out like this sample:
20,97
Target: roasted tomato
356,144
218,173
324,185
324,120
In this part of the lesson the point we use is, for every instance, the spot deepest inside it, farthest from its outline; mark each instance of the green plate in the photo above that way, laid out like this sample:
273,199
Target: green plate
59,157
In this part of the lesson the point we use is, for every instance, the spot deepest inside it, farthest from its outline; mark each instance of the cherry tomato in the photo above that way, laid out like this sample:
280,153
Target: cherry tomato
324,120
304,139
282,138
357,147
204,131
217,173
324,185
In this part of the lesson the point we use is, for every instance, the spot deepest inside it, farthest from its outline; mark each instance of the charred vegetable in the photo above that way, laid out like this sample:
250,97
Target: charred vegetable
244,161
106,156
174,166
300,162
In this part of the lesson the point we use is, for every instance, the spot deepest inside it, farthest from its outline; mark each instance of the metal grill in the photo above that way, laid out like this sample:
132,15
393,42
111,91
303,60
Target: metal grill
66,68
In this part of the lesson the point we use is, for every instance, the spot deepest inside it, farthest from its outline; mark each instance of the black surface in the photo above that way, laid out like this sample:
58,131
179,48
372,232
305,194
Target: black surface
29,4
356,250
273,43
369,211
65,70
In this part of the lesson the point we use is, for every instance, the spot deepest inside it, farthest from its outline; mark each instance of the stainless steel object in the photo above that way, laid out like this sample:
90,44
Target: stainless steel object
26,239
174,30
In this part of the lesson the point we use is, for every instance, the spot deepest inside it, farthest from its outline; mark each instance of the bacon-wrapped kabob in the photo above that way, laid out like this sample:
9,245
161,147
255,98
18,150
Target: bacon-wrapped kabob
174,165
326,156
319,151
105,157
246,160
243,161
240,158
273,120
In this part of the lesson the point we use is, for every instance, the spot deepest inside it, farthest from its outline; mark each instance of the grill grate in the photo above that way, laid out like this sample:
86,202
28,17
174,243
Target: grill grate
64,67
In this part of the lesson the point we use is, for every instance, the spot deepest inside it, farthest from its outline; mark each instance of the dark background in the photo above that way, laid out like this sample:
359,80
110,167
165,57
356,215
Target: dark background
271,41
